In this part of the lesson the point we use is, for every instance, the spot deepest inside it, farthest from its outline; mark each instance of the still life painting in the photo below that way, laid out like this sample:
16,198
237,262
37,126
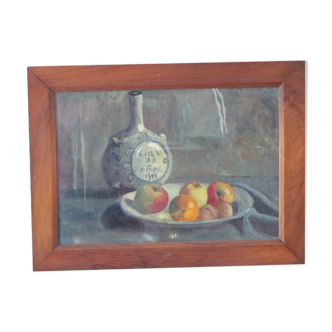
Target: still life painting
167,165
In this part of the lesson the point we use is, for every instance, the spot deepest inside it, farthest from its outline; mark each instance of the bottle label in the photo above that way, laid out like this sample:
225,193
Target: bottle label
149,161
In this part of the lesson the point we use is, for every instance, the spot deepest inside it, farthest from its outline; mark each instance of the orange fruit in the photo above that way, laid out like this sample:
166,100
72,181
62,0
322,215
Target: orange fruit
183,208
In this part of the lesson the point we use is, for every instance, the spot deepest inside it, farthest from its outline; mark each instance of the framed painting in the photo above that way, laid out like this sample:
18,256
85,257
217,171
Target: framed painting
167,165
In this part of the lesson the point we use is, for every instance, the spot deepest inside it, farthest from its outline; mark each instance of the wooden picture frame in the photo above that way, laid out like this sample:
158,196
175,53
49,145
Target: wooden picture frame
44,82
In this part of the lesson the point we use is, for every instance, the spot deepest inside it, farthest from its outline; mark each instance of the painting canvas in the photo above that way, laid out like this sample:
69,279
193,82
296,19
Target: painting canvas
167,165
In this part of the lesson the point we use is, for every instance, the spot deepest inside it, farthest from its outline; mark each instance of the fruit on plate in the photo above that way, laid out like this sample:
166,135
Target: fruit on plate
151,198
220,191
195,190
207,212
183,208
224,210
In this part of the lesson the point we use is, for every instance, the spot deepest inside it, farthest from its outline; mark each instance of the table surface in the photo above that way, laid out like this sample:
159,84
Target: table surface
99,219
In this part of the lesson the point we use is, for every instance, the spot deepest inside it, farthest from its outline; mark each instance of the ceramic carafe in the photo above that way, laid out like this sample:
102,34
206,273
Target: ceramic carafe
136,155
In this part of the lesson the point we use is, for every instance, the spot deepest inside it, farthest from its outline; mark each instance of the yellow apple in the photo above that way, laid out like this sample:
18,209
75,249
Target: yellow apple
197,191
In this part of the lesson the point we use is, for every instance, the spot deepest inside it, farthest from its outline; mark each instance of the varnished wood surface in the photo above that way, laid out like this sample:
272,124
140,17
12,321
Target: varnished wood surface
42,168
44,81
292,172
165,76
154,255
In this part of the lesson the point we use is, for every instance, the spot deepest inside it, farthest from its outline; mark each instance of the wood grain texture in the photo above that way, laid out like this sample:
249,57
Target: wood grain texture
292,151
43,81
165,76
42,168
154,255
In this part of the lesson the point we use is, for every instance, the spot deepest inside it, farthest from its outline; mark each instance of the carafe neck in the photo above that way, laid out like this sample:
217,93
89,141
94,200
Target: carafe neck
136,110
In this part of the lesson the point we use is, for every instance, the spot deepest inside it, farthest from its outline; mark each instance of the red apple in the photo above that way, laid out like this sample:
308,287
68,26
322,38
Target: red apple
151,198
195,190
220,192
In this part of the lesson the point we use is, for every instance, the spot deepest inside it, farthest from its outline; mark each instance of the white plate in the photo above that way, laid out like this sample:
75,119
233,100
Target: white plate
242,204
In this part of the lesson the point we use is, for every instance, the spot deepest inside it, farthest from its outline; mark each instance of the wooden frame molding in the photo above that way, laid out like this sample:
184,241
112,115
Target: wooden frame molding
43,82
